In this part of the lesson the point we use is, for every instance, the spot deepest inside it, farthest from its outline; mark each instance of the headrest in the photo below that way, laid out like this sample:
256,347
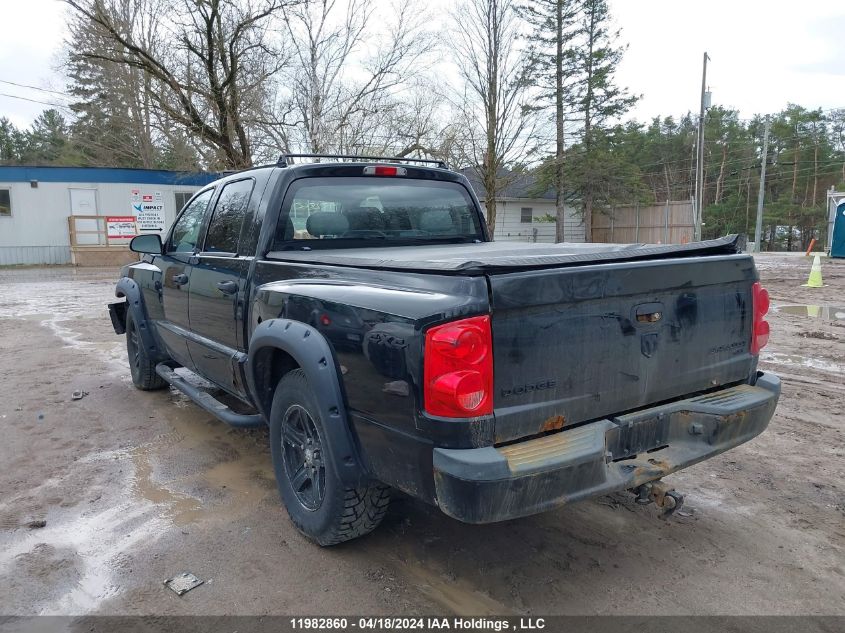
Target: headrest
326,223
365,218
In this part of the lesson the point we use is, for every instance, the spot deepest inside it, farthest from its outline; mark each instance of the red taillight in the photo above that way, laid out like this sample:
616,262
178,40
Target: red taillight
325,320
458,369
760,327
384,170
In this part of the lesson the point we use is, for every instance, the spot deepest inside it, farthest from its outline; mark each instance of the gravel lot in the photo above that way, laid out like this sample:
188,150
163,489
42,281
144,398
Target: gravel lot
137,487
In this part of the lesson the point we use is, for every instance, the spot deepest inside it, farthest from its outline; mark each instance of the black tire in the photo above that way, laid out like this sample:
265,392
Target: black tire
143,369
318,503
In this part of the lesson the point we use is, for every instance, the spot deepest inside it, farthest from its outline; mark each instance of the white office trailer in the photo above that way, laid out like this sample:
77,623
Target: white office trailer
86,215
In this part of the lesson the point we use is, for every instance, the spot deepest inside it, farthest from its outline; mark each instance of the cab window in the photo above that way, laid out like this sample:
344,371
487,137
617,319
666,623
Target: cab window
186,231
224,230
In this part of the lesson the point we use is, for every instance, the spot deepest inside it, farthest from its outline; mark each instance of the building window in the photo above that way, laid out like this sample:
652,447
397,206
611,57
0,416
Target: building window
5,202
526,215
182,198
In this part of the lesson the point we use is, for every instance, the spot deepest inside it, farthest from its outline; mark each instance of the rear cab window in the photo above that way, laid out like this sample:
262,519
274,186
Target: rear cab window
344,212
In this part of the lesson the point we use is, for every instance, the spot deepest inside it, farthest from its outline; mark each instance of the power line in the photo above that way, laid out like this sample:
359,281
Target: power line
55,105
55,92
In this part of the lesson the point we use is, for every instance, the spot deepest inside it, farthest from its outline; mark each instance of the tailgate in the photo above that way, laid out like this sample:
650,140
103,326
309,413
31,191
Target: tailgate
580,343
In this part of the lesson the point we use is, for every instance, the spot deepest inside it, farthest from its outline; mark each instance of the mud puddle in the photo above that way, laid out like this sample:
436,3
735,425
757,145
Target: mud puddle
198,473
77,558
825,313
182,509
202,469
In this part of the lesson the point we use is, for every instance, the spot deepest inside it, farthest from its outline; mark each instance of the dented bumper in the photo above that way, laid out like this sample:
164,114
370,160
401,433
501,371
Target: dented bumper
490,484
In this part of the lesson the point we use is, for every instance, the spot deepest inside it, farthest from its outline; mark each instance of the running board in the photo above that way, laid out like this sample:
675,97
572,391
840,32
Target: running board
207,401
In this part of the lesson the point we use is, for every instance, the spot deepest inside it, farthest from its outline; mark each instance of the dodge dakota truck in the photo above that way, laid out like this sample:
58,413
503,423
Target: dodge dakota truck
358,307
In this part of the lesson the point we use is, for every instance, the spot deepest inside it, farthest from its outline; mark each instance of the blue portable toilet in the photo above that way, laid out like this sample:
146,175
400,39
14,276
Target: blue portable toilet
837,244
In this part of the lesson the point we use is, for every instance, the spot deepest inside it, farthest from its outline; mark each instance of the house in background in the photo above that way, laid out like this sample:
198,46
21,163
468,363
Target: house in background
523,214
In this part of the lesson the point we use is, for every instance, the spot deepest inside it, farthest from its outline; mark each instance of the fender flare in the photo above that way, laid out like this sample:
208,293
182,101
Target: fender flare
127,287
316,358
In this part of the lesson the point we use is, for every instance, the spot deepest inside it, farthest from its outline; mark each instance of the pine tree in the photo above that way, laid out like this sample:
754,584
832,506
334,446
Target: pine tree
178,154
600,101
552,62
47,141
11,142
113,125
102,129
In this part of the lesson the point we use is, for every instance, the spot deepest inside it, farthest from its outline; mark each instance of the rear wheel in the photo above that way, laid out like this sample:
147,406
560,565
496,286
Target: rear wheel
317,501
143,368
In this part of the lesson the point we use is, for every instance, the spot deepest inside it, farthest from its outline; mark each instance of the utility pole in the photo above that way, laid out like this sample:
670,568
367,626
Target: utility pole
759,230
699,166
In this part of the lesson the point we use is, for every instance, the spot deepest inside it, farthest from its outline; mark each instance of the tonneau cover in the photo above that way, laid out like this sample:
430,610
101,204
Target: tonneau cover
491,257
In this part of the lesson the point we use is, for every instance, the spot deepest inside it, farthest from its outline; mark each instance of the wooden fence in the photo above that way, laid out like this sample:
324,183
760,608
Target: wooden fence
667,223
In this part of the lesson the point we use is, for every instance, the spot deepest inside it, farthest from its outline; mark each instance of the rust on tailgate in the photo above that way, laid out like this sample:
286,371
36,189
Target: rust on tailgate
554,423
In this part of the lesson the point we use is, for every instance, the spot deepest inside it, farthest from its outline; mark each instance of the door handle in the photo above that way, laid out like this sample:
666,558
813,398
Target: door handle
227,287
180,280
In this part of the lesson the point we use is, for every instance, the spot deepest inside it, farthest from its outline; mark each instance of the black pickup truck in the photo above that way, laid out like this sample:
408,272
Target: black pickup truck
359,308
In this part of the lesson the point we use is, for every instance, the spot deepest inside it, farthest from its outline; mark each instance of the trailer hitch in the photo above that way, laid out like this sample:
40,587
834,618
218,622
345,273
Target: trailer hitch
664,497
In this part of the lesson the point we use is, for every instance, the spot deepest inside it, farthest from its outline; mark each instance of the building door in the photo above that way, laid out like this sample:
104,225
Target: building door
84,202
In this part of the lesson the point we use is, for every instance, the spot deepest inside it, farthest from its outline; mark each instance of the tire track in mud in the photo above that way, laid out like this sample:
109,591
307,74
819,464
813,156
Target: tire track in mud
452,595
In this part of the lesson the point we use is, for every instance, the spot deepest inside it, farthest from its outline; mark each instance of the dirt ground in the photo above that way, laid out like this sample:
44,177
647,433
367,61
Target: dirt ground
136,487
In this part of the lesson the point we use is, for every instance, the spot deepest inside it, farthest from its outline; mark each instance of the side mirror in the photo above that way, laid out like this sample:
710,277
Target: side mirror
147,244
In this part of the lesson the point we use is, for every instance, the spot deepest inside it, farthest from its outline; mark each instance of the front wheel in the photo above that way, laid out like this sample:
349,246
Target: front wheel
143,368
318,503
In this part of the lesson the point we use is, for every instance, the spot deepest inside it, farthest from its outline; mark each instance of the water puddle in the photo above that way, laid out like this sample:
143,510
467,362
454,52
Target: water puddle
71,304
825,313
93,545
181,508
200,471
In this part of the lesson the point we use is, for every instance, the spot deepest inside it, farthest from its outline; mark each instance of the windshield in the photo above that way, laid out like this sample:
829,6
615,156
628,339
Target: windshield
344,212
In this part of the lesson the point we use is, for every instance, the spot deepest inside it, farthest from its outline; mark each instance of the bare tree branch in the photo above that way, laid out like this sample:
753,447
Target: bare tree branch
484,40
209,71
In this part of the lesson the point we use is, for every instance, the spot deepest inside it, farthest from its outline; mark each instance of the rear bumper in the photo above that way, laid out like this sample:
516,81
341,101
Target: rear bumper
484,485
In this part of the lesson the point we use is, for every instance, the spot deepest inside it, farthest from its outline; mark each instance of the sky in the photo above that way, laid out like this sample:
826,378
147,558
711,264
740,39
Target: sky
764,54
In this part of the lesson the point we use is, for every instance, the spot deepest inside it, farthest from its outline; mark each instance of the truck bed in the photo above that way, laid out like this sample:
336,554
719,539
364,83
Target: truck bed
493,257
